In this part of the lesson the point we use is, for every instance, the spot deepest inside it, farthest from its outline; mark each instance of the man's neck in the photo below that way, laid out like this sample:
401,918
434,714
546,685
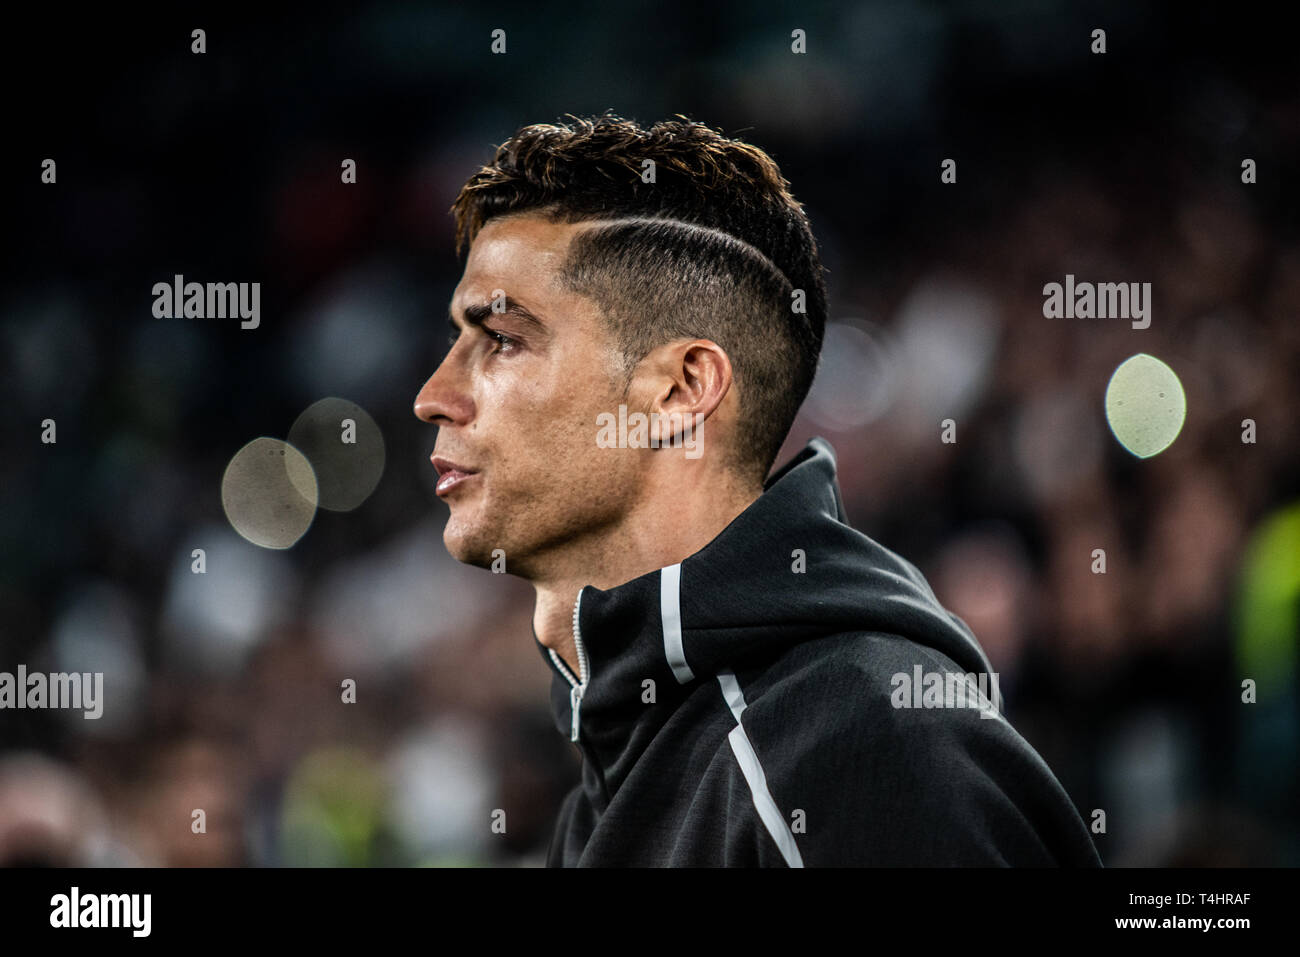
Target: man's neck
654,538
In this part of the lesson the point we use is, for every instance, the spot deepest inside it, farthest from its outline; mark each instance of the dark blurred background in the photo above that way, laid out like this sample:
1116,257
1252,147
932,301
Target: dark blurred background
223,689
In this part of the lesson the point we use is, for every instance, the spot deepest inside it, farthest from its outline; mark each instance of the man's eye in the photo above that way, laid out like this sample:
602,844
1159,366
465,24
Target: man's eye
505,342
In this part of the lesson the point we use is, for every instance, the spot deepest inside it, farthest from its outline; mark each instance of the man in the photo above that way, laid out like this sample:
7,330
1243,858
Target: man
639,319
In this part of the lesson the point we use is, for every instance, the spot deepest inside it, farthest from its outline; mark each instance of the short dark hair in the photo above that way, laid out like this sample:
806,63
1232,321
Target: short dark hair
718,221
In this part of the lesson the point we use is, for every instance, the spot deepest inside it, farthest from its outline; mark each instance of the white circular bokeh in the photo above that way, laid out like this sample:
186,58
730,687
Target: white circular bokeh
269,493
1145,405
346,450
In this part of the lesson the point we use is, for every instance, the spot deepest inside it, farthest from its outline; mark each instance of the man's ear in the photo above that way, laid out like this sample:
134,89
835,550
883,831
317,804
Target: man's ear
690,379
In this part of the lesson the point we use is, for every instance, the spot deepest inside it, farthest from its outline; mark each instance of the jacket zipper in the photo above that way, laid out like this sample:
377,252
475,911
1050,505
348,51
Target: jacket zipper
576,687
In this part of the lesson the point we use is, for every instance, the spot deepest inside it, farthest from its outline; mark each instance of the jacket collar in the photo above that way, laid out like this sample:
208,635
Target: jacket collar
786,570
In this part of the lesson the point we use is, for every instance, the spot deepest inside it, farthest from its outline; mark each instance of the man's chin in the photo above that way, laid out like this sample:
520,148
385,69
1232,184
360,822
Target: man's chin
465,546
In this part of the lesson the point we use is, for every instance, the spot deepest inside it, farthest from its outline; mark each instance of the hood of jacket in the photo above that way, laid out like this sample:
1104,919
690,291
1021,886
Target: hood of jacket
789,569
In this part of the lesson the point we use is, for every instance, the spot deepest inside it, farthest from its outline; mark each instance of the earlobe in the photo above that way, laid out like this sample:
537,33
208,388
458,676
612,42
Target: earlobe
690,379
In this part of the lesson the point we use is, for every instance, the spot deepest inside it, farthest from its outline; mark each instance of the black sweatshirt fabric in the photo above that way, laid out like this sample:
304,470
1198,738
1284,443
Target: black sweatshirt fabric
746,708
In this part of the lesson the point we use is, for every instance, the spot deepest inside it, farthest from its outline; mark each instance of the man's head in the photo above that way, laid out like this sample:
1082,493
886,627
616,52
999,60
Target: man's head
667,270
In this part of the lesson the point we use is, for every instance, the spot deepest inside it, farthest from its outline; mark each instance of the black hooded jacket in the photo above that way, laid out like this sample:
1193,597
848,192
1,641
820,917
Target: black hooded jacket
761,704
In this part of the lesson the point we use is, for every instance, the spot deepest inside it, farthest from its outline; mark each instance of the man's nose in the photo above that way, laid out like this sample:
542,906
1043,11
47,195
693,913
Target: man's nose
443,400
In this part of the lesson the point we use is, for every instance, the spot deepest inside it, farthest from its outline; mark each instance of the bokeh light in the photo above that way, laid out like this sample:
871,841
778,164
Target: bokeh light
856,378
269,493
346,450
1145,405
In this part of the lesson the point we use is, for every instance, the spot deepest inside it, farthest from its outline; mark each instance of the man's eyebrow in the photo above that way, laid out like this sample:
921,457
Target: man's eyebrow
478,313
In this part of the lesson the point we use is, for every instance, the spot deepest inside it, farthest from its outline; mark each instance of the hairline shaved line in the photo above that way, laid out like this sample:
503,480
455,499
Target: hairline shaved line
588,225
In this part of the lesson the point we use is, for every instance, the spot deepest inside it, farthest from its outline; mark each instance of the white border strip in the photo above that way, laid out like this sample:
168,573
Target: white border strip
731,691
670,610
754,776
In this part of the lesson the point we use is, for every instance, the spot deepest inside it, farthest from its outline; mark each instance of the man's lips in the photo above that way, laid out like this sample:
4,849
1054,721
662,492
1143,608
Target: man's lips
450,474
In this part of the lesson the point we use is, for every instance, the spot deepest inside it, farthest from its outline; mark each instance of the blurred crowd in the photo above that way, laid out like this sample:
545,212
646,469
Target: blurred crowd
224,690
